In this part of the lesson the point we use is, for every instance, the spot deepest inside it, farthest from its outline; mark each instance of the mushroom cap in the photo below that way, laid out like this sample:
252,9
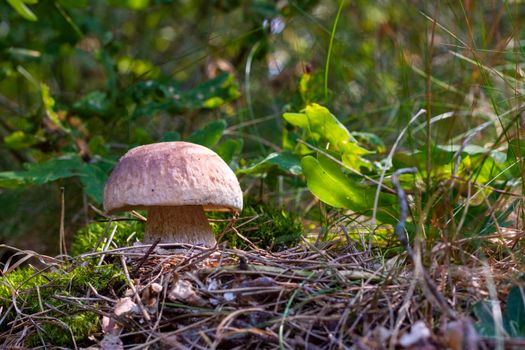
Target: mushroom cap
172,174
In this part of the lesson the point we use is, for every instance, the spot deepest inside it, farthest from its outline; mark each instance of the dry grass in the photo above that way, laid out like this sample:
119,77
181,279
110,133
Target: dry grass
326,295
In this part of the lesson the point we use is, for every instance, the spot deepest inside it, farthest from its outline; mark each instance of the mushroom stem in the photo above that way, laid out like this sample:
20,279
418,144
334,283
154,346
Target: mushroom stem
181,224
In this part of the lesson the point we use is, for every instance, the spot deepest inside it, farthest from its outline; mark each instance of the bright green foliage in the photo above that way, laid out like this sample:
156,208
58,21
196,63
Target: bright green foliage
268,227
325,130
229,150
22,9
92,176
286,162
126,233
80,326
209,135
21,286
326,180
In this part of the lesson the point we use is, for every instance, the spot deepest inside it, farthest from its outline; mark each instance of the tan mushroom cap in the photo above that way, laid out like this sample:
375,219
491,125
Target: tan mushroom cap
172,174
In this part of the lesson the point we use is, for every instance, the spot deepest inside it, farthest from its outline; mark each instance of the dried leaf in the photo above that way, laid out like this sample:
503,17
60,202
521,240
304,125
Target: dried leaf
183,291
125,306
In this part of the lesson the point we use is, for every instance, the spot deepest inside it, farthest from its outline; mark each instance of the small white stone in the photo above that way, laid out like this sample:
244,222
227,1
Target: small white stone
419,331
228,296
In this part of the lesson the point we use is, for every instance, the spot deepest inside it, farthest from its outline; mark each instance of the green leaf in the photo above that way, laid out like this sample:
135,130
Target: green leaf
485,326
515,312
326,180
19,140
170,136
352,157
331,185
24,11
152,96
297,119
131,4
370,139
212,94
54,169
92,176
213,102
94,103
324,124
93,179
513,315
229,149
285,161
49,104
209,135
12,179
325,129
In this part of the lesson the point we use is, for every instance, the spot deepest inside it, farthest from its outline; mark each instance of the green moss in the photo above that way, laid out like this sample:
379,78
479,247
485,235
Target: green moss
127,232
79,326
272,227
34,291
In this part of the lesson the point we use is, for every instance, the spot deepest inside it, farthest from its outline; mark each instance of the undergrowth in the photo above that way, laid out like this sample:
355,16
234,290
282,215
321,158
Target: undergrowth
266,226
125,233
27,292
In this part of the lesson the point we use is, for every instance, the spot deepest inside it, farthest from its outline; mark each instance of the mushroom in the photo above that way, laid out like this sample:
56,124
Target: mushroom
175,182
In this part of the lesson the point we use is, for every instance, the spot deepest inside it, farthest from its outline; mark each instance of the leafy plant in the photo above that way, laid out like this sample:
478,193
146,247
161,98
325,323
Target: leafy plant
332,164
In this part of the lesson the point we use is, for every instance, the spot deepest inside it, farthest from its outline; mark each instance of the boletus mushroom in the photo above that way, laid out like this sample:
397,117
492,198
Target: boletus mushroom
175,182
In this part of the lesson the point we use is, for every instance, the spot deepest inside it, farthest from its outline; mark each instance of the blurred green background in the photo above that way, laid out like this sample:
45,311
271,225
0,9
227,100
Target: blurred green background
81,82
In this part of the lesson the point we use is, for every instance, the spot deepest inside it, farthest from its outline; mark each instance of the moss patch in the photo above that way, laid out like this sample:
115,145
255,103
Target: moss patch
34,291
263,225
126,233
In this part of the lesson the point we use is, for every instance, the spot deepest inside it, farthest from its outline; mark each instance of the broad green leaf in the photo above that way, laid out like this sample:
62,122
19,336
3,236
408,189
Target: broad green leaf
326,181
351,156
12,179
54,169
152,96
515,312
229,149
324,124
94,103
485,326
297,119
285,161
323,127
330,185
513,316
210,134
22,9
19,140
97,145
92,176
